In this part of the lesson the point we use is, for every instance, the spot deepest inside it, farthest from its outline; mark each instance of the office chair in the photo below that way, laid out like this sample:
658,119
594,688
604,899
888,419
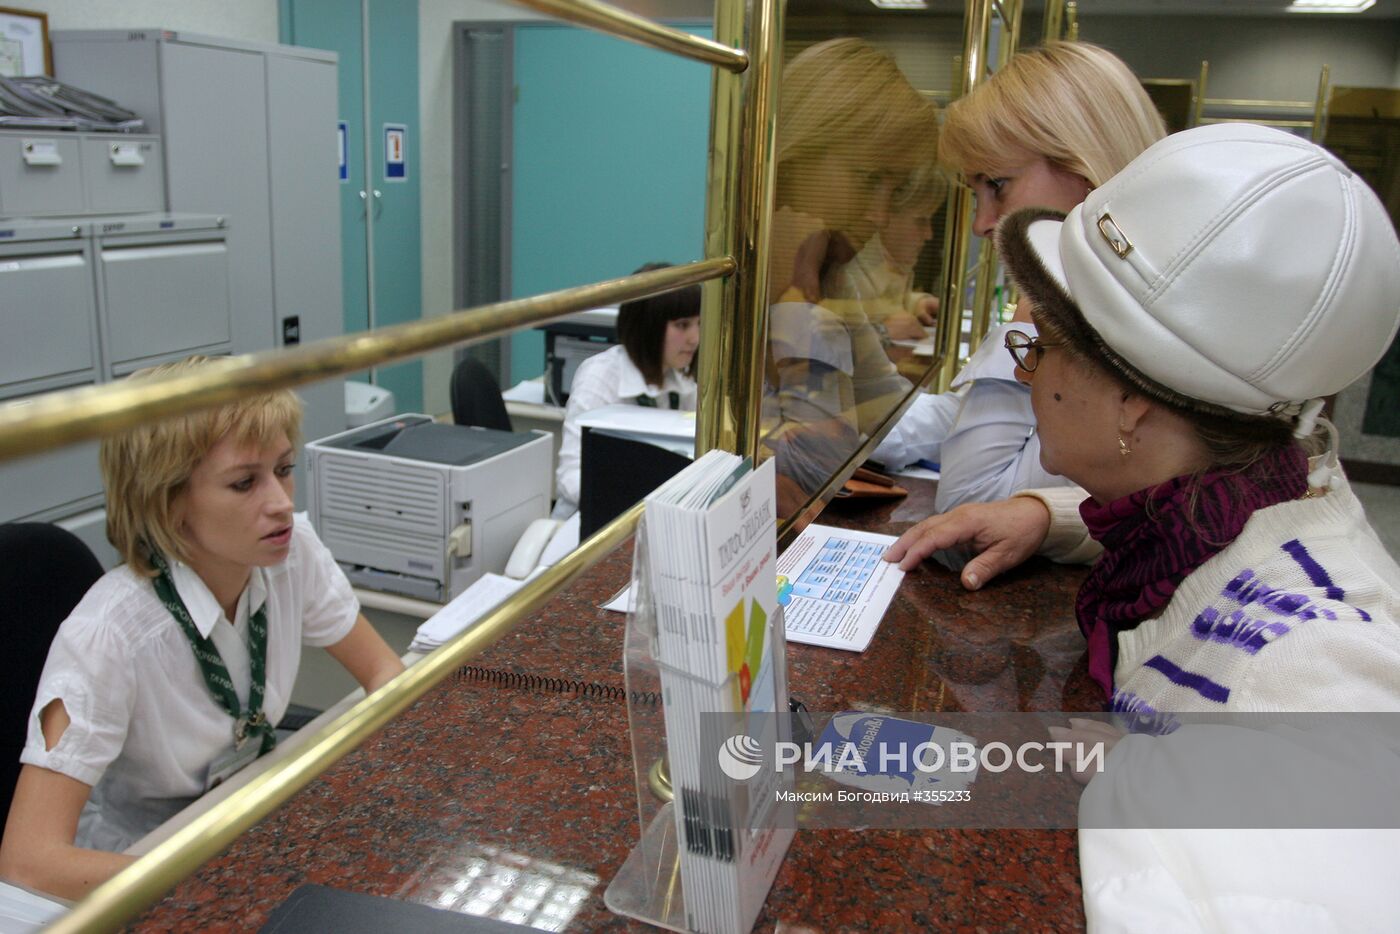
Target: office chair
44,572
476,396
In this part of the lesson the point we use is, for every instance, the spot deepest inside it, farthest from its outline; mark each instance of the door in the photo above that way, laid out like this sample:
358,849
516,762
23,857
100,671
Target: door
610,143
377,41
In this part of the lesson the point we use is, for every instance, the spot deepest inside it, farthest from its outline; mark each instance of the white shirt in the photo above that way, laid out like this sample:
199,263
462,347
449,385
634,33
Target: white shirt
143,726
603,379
981,432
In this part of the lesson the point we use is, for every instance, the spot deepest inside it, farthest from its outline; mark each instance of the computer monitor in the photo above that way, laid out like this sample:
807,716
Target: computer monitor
572,340
616,473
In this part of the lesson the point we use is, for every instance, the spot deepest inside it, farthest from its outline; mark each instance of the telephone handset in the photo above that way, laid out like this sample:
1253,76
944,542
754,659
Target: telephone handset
532,543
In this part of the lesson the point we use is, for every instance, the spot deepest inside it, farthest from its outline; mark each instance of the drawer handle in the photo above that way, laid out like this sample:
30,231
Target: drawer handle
126,154
41,152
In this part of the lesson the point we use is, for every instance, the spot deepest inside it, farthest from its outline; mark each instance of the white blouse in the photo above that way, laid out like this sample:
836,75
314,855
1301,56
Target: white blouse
143,727
607,378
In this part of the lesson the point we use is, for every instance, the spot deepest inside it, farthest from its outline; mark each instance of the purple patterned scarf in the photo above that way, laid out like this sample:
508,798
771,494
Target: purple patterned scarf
1151,543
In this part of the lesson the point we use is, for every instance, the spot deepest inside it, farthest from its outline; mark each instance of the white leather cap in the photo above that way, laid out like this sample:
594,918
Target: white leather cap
1235,264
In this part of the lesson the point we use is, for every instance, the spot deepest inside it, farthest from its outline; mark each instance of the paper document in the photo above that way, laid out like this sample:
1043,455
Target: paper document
530,391
621,601
835,586
671,429
24,911
921,348
468,606
915,472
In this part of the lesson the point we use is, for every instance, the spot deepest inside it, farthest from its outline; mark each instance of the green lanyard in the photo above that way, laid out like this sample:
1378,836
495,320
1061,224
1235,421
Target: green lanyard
649,402
211,663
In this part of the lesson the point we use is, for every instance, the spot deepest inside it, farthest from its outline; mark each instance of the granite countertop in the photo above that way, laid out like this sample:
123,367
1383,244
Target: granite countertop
509,789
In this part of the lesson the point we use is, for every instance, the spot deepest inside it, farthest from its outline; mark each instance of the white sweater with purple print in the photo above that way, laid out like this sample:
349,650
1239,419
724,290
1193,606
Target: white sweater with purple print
1300,613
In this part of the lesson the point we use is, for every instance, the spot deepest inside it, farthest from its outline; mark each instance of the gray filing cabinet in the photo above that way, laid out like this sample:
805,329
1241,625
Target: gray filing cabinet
44,174
163,287
249,132
85,300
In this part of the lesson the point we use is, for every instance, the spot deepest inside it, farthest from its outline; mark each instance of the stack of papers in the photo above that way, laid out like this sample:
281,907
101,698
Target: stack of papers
22,911
488,592
464,610
670,429
709,547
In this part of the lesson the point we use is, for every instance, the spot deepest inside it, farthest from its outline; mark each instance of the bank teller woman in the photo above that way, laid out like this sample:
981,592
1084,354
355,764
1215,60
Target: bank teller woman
1048,127
173,670
653,365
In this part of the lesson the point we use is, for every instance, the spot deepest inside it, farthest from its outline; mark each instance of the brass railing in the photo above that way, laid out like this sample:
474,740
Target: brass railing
638,29
1235,109
958,245
60,418
127,893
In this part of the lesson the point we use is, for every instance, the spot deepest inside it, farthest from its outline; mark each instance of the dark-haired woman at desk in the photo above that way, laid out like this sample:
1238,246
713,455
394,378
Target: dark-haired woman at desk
653,365
174,669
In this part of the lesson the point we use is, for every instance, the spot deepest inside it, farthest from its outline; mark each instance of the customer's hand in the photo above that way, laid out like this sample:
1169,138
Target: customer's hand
926,310
1084,735
1004,534
903,326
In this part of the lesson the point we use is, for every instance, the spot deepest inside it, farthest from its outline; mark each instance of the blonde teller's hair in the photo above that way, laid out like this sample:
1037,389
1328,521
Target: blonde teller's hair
847,93
146,469
1074,103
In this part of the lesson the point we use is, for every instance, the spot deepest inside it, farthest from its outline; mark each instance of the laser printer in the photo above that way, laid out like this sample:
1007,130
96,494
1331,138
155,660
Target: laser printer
413,507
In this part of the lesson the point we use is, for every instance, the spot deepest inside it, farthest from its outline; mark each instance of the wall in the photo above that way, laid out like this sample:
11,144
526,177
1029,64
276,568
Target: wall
435,19
1269,58
254,20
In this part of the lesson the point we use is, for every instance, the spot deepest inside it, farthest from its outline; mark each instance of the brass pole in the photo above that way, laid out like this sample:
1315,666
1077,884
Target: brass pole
1013,29
624,25
977,22
1319,122
739,219
123,896
1200,101
1072,21
982,295
58,418
1054,19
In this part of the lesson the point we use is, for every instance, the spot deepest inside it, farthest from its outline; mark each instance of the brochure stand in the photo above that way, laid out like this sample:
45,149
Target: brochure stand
648,887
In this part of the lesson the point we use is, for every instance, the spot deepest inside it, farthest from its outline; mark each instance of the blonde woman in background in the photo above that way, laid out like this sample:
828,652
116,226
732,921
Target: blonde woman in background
1049,127
852,132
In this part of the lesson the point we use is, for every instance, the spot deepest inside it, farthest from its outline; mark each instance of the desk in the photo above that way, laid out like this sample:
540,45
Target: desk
506,775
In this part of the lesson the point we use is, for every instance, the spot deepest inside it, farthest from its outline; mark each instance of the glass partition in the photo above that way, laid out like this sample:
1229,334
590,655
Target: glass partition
866,226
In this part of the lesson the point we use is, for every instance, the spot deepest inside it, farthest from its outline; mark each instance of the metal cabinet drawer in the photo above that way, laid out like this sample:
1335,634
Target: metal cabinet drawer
51,484
40,175
48,317
164,300
123,173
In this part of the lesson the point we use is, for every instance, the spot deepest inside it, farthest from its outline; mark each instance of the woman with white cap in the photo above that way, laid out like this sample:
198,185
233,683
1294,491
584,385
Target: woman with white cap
1192,313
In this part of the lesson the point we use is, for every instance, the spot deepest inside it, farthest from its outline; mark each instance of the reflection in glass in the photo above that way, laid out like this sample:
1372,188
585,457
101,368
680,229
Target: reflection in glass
856,188
491,882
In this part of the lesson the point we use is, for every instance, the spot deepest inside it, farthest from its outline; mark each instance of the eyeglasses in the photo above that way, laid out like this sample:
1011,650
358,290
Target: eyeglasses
1026,350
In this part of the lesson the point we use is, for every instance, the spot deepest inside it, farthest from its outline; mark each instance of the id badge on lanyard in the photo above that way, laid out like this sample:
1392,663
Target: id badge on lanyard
230,761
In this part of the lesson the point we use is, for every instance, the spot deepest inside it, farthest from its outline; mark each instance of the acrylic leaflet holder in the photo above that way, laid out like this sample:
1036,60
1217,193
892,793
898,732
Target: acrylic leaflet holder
683,771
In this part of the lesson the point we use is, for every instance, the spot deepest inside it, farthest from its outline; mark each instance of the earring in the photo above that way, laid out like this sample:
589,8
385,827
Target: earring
1123,447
